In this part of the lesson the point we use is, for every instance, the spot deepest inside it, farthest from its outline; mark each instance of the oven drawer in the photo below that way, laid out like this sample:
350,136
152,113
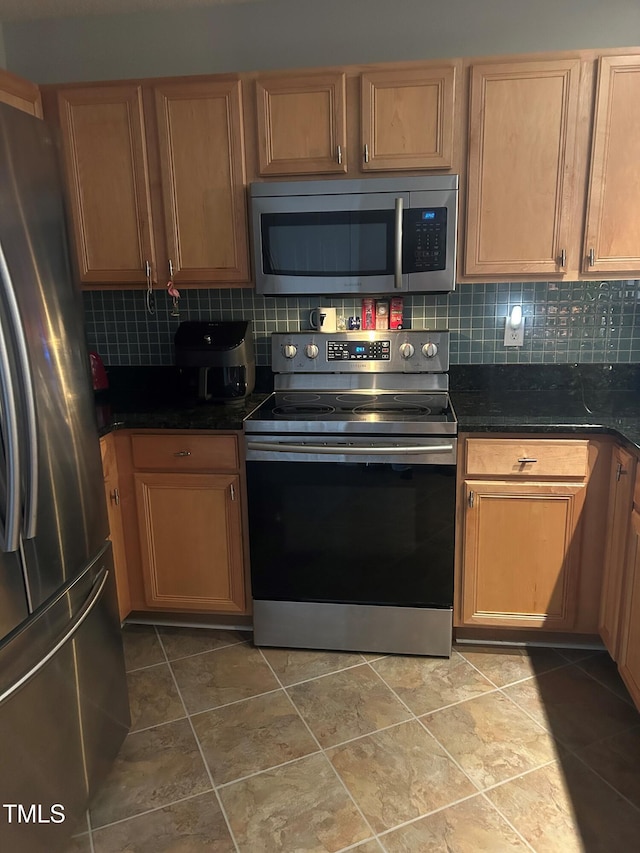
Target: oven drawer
489,457
185,452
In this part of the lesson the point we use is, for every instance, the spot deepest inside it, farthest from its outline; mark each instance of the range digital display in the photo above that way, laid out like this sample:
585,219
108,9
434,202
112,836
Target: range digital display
358,350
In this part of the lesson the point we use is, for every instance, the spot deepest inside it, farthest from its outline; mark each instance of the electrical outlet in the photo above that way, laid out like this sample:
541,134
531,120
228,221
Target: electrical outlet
513,337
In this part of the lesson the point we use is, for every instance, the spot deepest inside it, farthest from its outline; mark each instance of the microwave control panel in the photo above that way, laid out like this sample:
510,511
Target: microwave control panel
424,239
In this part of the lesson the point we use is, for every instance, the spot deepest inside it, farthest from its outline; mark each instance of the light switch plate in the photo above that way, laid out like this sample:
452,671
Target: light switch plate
513,337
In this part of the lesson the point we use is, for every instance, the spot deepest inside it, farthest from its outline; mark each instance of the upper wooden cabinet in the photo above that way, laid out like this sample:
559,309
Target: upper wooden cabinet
308,123
302,124
104,147
201,145
523,123
123,141
612,234
407,118
20,93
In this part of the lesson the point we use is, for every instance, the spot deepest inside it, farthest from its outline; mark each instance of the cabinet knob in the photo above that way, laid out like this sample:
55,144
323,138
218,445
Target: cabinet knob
563,258
114,497
524,459
592,258
339,155
366,152
182,453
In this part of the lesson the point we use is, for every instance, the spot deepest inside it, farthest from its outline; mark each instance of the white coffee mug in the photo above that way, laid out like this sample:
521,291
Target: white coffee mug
324,319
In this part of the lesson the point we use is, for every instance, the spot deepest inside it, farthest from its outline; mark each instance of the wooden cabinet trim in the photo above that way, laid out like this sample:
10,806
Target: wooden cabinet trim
629,661
20,93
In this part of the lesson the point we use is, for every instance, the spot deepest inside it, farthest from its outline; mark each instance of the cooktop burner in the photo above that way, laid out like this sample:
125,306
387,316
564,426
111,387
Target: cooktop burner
353,412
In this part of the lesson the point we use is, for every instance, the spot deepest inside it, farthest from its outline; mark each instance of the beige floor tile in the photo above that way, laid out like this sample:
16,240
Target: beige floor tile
399,774
225,675
575,655
79,844
293,665
196,825
565,808
347,704
504,666
491,738
301,807
182,642
141,646
368,847
153,697
576,708
153,768
473,826
617,759
251,736
605,670
427,684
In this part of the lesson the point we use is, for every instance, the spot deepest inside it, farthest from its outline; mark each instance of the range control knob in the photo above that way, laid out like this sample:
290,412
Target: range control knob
289,350
311,350
406,350
430,350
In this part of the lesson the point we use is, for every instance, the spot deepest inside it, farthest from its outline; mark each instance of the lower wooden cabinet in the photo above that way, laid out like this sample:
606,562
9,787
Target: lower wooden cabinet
114,511
531,529
521,554
623,466
191,540
629,660
184,514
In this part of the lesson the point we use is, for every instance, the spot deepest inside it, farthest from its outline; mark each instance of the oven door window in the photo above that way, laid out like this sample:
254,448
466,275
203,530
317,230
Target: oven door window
328,244
352,532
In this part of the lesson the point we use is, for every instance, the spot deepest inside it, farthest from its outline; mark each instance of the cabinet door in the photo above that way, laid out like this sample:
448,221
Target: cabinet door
116,531
620,505
201,143
407,119
523,120
612,237
302,124
103,142
20,93
191,540
521,554
629,662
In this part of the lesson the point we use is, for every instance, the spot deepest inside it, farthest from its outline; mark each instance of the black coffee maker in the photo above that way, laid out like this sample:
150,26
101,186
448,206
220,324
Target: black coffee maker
216,360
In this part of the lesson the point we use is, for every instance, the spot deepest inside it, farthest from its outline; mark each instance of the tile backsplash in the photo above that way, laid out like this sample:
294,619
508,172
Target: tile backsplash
579,321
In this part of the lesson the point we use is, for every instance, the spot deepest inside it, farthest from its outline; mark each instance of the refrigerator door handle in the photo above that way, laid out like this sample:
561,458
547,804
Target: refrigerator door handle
28,400
82,614
10,526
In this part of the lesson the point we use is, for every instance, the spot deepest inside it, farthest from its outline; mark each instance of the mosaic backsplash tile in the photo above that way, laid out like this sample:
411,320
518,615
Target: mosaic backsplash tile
565,322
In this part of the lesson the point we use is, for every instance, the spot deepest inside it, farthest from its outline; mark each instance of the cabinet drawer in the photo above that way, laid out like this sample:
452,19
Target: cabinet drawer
185,452
536,458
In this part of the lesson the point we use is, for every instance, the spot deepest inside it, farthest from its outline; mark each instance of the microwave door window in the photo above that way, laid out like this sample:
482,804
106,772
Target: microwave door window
329,244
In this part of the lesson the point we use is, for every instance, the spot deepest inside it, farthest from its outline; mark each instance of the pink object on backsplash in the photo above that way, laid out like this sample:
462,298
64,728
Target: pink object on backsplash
98,372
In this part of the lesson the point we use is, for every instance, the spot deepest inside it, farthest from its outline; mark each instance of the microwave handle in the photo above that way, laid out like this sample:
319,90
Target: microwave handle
397,278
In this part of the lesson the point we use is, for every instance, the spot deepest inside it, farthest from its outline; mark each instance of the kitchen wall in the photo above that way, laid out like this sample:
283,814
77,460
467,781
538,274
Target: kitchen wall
581,322
267,34
564,322
3,56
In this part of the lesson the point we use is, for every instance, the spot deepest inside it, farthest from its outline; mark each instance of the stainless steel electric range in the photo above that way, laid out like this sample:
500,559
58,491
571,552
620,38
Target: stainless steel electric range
351,484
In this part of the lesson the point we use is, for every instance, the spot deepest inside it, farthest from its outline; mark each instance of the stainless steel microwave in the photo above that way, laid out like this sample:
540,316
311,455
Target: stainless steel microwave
386,235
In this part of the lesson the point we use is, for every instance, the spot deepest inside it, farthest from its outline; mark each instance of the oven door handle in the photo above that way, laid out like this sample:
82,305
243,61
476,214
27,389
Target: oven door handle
348,450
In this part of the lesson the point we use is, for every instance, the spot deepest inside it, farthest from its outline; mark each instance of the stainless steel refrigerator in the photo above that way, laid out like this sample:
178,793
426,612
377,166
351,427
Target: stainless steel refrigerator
63,699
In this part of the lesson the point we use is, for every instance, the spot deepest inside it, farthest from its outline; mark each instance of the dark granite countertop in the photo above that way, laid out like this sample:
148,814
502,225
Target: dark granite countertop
149,398
570,399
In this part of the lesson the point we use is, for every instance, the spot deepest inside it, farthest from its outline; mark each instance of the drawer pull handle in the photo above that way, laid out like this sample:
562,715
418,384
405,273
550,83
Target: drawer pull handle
182,453
524,459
